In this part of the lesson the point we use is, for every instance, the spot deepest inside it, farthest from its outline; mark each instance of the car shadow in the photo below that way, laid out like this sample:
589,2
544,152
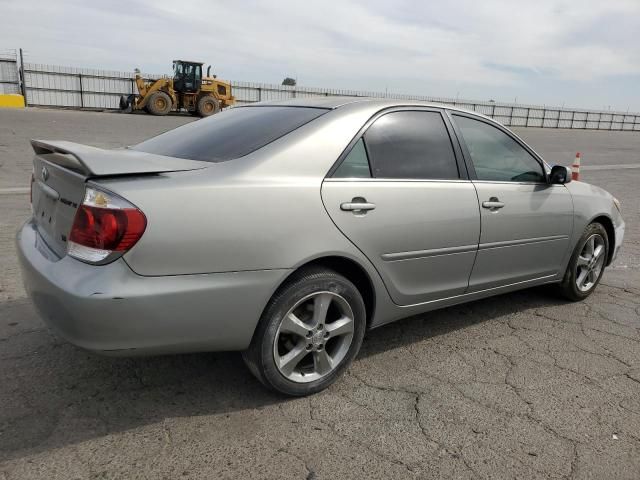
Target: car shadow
54,394
443,321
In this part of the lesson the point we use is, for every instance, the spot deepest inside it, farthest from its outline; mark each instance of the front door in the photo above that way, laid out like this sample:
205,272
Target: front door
399,197
525,221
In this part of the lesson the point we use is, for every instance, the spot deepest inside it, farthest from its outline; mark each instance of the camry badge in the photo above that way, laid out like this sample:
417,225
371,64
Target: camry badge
45,174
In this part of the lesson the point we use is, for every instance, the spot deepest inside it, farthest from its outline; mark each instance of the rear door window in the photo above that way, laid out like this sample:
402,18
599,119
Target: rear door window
411,145
230,134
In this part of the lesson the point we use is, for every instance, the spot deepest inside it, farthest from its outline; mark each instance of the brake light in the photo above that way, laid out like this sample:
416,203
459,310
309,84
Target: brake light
105,226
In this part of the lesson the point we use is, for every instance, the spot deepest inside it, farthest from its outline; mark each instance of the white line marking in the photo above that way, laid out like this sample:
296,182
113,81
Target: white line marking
621,166
14,191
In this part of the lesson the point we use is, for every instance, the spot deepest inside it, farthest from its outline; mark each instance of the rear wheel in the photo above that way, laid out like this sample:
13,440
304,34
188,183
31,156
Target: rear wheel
159,103
208,105
125,102
587,263
309,333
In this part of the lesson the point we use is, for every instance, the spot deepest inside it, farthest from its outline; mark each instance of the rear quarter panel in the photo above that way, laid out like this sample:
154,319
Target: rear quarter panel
262,211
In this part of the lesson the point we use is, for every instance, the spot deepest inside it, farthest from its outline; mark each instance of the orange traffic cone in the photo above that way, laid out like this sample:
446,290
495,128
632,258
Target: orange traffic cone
575,168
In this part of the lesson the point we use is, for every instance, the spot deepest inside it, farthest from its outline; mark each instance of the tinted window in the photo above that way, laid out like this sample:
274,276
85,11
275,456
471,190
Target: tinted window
355,164
230,134
497,156
411,145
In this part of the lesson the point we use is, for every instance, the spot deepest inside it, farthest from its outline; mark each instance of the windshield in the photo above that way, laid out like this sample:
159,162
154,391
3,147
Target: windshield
230,134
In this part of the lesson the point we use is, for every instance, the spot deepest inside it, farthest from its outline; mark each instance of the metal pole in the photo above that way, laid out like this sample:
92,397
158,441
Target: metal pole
23,85
81,92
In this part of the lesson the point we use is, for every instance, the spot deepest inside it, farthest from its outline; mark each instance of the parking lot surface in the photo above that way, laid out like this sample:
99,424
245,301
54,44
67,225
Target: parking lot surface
523,385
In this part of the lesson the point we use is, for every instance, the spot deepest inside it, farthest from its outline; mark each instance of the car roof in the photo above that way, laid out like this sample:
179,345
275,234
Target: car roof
336,102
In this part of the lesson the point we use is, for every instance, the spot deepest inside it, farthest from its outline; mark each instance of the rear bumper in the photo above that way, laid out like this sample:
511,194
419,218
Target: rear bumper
110,309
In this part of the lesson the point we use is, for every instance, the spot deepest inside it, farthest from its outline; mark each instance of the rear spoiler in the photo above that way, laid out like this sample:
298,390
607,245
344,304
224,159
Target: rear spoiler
98,162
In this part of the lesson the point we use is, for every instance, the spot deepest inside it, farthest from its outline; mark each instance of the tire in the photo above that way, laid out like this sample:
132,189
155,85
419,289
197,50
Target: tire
124,102
208,105
307,292
583,261
159,103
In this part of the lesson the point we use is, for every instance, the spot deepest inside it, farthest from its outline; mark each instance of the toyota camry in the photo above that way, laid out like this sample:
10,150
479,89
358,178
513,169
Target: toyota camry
286,230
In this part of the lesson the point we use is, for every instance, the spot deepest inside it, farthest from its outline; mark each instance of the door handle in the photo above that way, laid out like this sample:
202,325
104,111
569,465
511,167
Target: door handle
493,204
358,204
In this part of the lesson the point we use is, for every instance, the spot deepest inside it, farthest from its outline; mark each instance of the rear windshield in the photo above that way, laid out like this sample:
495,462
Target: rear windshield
230,134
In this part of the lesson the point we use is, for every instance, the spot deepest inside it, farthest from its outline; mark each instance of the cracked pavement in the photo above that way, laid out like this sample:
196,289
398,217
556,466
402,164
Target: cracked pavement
524,385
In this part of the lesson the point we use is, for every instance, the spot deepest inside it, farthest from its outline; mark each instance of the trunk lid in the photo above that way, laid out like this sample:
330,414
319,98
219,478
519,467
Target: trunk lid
61,169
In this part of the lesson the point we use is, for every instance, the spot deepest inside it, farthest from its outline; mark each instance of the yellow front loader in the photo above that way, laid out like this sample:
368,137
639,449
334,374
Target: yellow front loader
187,90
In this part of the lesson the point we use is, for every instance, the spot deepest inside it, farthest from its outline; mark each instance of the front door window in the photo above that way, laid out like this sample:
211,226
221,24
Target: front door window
496,156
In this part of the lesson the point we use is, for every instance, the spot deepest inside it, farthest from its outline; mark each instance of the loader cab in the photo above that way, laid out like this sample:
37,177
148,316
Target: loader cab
187,76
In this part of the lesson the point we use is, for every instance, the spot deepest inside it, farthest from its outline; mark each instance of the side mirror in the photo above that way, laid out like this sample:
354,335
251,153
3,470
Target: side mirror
560,175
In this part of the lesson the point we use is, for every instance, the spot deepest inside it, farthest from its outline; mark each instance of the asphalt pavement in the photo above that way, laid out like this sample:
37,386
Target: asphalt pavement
523,385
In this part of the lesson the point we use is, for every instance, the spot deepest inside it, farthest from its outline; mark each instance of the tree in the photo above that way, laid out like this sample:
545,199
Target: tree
291,82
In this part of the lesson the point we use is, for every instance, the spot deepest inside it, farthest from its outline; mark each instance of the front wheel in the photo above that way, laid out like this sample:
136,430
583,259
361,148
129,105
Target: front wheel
309,333
208,105
159,103
587,263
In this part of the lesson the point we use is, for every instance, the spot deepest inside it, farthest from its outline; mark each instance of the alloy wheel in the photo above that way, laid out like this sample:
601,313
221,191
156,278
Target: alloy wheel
313,337
590,262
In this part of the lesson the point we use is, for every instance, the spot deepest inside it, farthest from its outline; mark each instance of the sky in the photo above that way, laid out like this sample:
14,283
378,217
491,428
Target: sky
576,53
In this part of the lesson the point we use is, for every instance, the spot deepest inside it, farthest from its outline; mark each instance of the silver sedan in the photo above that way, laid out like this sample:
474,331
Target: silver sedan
286,230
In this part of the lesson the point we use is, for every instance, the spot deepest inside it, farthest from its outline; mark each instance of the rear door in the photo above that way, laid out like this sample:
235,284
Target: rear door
526,222
399,194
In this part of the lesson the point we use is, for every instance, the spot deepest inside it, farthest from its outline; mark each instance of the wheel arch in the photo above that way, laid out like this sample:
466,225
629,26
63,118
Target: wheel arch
350,269
607,223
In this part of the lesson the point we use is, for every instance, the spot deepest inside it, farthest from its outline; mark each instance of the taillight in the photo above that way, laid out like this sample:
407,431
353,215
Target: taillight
105,226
